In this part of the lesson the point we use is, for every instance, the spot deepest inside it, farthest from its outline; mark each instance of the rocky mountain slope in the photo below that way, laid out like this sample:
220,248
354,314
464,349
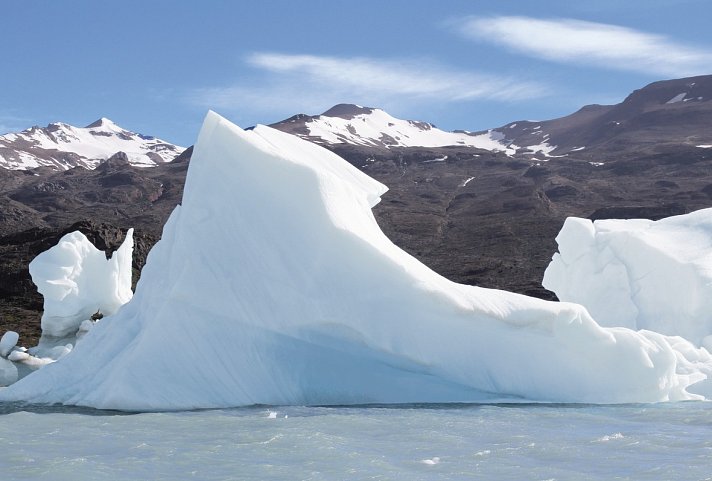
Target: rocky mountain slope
483,210
62,146
666,116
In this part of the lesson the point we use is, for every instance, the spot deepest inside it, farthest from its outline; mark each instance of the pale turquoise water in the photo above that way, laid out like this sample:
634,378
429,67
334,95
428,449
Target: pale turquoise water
638,442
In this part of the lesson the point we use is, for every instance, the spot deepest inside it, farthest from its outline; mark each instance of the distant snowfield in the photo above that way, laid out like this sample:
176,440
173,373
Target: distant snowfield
376,127
379,127
294,295
63,146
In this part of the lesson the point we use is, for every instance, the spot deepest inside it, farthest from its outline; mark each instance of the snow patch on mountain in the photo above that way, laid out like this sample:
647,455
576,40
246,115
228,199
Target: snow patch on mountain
677,98
63,146
378,128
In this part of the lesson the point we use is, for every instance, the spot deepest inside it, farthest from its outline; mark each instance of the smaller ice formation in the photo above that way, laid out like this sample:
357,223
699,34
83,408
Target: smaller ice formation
7,342
77,280
640,274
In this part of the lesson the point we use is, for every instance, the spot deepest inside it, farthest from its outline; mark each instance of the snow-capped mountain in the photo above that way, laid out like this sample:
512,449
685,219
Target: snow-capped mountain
674,113
63,146
372,127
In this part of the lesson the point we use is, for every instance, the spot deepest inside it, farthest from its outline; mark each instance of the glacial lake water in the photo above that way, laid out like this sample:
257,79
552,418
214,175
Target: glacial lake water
432,442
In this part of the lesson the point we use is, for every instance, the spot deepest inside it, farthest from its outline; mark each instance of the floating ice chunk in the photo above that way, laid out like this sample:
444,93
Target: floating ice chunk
28,360
641,274
76,279
18,356
8,372
432,461
294,295
8,341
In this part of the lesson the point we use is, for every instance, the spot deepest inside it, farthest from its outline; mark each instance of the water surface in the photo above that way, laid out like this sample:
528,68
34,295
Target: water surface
489,442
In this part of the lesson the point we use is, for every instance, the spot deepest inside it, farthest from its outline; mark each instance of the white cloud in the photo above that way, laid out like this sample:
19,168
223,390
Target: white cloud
589,43
311,83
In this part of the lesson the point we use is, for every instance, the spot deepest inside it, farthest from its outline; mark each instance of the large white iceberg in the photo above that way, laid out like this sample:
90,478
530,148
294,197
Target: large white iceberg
641,274
273,284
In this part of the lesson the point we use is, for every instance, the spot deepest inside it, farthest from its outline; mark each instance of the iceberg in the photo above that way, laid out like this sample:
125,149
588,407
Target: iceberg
77,280
638,273
273,284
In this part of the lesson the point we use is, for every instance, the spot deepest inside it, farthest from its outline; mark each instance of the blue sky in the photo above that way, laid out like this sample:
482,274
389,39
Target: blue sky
156,66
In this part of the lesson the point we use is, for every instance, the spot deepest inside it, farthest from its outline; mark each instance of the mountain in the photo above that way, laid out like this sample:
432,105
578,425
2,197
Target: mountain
663,116
62,146
484,214
348,124
670,114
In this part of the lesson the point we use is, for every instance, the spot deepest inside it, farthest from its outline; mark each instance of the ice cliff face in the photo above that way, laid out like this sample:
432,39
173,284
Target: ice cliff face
640,274
293,295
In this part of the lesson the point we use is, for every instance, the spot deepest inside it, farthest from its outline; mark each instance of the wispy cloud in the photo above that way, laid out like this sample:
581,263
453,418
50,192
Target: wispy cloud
285,82
588,43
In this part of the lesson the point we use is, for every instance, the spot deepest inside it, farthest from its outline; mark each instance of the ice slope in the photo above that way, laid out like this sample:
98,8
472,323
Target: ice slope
77,280
640,274
273,284
63,146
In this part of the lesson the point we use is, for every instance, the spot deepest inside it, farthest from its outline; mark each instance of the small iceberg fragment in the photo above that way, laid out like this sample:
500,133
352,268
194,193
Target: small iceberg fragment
8,342
638,273
76,280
